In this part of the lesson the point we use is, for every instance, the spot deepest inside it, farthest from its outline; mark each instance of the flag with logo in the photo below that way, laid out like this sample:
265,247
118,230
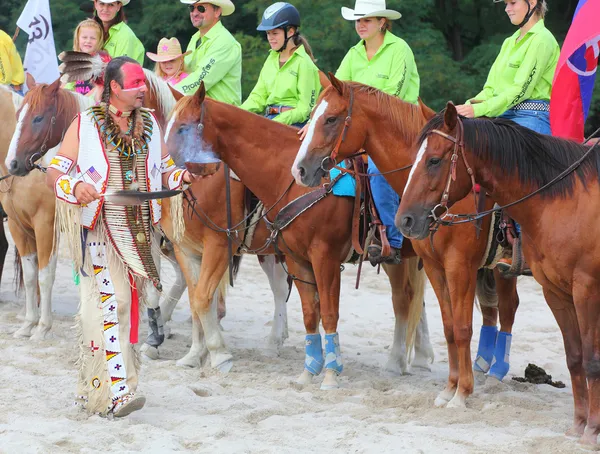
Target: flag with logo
40,56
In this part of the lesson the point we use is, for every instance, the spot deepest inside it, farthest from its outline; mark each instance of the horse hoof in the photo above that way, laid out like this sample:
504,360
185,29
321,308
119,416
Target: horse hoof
421,362
305,378
457,402
396,366
167,331
149,352
589,441
23,331
330,381
443,398
479,377
225,367
440,402
41,333
191,360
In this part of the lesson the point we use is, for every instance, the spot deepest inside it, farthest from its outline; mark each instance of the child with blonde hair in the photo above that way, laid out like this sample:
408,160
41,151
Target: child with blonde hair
169,61
89,38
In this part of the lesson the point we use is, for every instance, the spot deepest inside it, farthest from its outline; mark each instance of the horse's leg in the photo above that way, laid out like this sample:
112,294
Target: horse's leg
508,302
461,286
26,247
47,257
309,296
437,277
169,302
424,355
278,280
488,302
327,274
156,335
567,318
204,301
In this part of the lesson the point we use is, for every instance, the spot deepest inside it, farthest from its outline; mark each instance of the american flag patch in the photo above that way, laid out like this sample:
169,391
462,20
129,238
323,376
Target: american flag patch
155,171
93,174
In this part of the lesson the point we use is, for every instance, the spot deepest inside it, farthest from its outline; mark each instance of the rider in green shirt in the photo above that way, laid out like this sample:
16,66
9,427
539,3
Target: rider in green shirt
288,84
119,39
384,61
216,57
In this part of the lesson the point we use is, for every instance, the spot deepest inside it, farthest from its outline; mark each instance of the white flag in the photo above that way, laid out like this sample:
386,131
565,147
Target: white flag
40,57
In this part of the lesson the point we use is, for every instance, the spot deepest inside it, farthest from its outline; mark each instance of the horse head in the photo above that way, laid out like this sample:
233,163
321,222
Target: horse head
335,132
438,177
41,123
187,137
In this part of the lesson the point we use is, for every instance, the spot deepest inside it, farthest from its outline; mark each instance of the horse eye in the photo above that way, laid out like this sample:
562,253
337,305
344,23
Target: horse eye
182,129
433,162
330,120
38,119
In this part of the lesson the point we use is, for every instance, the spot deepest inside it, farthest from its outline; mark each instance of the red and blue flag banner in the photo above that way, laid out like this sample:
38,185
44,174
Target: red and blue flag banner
575,75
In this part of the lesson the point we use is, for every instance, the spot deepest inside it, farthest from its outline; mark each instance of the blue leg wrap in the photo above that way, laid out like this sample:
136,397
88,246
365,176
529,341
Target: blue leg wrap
313,362
485,351
333,355
500,364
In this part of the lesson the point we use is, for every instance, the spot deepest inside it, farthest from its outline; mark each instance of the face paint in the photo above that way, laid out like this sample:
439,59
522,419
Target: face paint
133,77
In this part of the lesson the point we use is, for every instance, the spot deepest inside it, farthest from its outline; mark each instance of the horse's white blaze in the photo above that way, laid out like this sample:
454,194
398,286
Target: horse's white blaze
416,163
307,140
12,150
170,125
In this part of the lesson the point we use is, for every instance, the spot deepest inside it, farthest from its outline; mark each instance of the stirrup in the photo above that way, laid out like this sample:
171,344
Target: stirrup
517,266
375,257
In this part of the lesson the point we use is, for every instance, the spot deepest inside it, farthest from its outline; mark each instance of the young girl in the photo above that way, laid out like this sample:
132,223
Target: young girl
169,61
88,38
288,84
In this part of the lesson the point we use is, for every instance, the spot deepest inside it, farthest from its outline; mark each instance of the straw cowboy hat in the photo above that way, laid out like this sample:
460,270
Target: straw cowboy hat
168,49
227,8
369,8
124,2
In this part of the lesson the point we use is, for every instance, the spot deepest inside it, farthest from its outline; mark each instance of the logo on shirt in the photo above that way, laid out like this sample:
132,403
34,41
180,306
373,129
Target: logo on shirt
401,83
203,74
525,86
293,73
383,76
514,65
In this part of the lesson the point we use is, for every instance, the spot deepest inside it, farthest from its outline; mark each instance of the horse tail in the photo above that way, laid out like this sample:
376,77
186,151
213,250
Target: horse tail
19,283
486,288
235,264
416,282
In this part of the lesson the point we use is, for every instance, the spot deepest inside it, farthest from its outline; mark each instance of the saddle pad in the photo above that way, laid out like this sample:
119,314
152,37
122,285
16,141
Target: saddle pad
493,250
346,186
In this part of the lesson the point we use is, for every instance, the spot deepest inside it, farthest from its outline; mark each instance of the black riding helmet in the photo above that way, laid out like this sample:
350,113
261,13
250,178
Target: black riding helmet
280,15
530,11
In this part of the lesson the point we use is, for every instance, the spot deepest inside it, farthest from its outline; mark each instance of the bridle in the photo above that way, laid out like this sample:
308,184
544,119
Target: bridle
329,162
44,148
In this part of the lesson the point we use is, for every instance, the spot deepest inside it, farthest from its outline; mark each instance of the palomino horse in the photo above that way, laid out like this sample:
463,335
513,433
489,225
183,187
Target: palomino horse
39,131
511,163
386,127
315,243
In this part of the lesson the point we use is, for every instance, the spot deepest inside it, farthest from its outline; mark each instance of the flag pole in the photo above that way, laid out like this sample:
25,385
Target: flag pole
14,38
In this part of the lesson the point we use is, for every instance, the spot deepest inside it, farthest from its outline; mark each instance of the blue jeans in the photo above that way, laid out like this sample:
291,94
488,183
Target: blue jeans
536,120
387,203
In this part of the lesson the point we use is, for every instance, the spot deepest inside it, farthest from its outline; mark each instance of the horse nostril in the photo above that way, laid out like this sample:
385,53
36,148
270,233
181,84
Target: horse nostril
14,165
302,171
407,222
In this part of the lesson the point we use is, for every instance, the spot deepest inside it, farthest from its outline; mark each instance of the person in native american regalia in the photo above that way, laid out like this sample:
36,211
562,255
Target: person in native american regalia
115,146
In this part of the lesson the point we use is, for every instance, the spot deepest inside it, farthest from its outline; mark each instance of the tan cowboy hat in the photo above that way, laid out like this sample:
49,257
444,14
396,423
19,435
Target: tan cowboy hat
124,2
227,7
168,49
369,8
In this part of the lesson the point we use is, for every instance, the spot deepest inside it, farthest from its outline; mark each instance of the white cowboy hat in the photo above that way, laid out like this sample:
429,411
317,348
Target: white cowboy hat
227,7
369,8
124,2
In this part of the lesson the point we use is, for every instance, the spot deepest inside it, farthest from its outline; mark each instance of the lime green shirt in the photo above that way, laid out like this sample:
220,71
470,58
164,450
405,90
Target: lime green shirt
523,70
392,69
122,41
295,84
216,60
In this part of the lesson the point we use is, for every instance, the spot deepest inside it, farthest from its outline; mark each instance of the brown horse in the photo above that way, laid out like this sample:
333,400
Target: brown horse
512,162
315,243
386,128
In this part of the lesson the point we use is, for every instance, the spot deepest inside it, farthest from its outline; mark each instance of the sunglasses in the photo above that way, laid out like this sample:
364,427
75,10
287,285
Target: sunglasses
200,8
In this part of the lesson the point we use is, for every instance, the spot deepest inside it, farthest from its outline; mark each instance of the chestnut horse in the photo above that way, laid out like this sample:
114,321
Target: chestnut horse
512,163
386,127
315,244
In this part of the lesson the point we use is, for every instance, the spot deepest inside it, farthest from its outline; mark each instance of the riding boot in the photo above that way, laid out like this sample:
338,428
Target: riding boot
485,351
500,363
375,257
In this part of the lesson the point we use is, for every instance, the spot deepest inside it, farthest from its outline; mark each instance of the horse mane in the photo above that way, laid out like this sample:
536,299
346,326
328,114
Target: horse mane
537,158
407,118
164,97
66,103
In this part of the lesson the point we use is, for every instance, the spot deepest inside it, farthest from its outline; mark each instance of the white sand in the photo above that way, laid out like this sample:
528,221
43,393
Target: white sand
258,408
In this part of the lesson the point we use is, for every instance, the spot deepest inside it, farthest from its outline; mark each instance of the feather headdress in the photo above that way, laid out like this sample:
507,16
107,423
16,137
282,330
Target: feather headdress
83,66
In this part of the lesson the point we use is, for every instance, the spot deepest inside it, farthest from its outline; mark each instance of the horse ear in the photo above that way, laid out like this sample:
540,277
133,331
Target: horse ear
30,81
451,116
337,84
427,112
176,94
54,86
324,80
200,93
